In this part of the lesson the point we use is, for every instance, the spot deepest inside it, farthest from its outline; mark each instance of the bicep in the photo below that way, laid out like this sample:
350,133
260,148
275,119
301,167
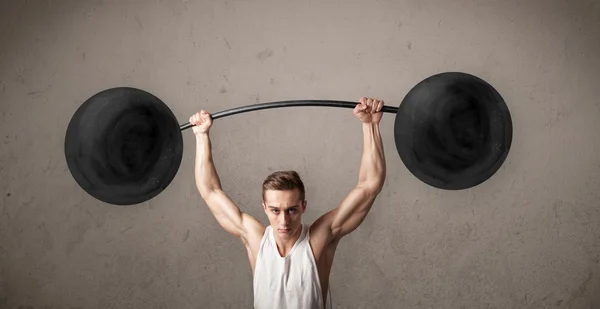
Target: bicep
228,214
351,212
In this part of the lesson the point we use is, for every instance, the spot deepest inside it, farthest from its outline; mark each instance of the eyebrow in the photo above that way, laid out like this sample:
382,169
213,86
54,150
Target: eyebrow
295,206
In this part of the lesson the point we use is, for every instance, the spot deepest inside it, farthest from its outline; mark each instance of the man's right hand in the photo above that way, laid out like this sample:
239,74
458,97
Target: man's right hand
201,122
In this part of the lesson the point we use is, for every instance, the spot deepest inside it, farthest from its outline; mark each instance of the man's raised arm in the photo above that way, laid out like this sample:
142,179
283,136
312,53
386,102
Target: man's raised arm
355,207
227,213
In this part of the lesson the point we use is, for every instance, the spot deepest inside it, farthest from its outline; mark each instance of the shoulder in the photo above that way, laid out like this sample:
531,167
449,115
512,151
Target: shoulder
322,226
320,231
253,229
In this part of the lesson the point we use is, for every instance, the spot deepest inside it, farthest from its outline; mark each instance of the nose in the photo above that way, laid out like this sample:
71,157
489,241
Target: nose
285,219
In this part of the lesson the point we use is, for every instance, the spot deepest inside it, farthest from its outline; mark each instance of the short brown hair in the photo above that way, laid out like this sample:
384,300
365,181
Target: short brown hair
284,180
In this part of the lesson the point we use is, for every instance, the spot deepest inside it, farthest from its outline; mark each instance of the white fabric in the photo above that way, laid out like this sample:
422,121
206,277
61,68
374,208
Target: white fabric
290,282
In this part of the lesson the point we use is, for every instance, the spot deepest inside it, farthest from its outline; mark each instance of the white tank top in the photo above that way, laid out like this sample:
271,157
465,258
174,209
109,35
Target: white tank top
290,282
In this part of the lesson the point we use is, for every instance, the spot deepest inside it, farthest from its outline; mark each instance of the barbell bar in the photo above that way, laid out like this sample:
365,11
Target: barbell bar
289,103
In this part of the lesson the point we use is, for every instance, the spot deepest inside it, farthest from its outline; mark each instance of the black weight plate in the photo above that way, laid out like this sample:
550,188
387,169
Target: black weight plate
123,146
453,131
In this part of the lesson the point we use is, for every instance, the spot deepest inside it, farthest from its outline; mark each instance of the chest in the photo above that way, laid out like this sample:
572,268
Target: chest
295,273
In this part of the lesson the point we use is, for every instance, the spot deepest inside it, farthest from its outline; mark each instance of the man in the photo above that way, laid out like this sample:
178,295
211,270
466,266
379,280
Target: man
291,261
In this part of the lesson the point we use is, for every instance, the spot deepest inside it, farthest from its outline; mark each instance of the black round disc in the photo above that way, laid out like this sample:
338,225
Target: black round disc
453,131
123,146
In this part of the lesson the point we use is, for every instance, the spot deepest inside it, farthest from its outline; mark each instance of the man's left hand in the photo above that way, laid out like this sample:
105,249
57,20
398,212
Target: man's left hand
368,110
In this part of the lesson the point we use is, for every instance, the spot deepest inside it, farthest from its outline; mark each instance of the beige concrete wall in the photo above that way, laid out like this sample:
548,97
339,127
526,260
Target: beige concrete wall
527,238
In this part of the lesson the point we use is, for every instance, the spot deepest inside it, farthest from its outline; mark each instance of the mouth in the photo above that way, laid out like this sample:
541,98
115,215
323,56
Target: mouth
284,231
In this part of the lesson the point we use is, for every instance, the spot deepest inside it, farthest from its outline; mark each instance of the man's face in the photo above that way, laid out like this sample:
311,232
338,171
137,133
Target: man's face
284,209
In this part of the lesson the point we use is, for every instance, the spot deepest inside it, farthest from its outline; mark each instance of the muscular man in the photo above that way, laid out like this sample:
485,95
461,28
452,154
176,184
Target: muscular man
291,261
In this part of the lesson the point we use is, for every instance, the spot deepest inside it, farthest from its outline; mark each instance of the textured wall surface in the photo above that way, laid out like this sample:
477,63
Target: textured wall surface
529,237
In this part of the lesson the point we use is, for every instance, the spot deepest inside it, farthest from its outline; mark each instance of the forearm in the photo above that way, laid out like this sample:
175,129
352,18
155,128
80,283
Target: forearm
207,179
372,168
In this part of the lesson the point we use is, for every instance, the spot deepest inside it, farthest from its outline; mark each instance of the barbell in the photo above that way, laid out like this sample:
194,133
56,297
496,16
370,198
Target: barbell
452,131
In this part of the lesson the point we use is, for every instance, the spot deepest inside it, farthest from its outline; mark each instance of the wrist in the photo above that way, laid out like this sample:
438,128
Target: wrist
370,129
201,136
370,125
